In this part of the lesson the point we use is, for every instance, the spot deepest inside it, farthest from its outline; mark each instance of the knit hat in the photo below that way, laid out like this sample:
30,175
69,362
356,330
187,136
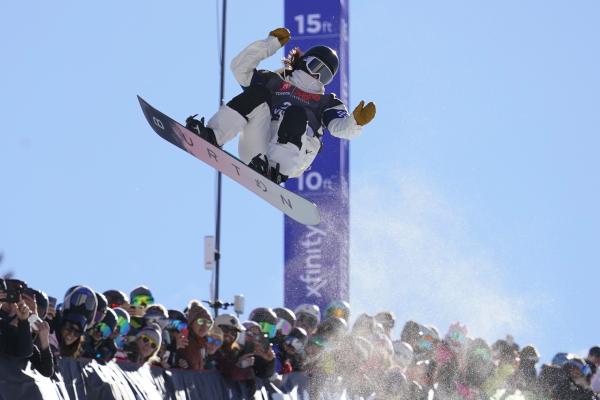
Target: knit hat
153,331
195,311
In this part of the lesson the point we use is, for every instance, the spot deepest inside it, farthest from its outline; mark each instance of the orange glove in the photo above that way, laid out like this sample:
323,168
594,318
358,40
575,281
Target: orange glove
364,114
283,34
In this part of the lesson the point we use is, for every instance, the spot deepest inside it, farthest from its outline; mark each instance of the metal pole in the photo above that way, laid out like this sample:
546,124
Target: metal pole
216,302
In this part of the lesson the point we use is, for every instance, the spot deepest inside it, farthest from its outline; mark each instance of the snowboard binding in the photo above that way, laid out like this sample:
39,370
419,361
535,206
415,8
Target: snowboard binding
261,165
198,127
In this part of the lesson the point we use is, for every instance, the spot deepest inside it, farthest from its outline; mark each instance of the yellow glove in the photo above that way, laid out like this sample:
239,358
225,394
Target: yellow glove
364,114
283,34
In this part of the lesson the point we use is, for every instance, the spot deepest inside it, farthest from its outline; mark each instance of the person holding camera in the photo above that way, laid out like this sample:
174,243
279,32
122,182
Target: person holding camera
229,358
193,352
263,331
15,331
42,358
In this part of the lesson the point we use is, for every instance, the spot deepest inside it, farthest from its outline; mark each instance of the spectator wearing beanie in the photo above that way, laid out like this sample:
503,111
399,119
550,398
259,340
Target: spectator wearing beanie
199,322
147,345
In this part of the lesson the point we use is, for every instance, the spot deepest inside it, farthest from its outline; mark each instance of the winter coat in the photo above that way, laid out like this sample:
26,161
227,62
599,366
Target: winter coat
15,341
195,352
568,390
226,359
42,361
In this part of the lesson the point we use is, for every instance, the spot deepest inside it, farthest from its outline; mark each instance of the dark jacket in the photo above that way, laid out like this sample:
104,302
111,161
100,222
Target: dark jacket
566,389
102,351
42,361
226,359
15,341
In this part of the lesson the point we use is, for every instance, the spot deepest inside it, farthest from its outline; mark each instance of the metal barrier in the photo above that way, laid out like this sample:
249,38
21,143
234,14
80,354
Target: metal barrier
83,379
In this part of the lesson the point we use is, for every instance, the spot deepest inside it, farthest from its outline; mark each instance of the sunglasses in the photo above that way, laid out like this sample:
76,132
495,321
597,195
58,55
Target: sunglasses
104,329
202,321
72,329
142,300
319,68
268,329
228,329
215,341
146,339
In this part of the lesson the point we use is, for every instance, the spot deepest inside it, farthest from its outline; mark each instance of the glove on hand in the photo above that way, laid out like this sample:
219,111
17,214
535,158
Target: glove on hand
364,114
283,34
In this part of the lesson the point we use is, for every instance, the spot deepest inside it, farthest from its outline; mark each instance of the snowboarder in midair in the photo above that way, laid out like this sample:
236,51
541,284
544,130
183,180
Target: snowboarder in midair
281,115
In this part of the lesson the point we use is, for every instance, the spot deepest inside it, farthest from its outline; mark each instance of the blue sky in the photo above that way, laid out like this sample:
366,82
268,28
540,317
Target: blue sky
474,193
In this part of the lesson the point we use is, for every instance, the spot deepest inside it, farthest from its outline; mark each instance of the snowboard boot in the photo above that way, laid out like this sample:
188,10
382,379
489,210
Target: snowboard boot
197,126
261,165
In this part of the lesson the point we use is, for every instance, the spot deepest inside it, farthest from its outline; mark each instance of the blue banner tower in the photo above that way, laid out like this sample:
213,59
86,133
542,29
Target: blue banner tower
316,257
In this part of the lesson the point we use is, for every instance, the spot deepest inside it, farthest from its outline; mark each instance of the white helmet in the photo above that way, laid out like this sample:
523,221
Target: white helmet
310,309
229,320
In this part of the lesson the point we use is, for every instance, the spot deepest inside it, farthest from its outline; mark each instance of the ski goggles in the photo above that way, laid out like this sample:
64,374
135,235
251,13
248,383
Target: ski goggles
120,342
318,341
268,329
142,300
213,340
157,319
295,343
283,327
425,343
456,336
123,326
483,353
177,325
339,313
583,368
104,329
83,298
319,68
146,339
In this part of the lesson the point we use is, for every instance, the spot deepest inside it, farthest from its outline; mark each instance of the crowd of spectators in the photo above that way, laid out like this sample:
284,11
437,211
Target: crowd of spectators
362,359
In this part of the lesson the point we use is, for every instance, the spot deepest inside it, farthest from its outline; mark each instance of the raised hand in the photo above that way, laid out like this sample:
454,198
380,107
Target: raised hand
283,34
364,114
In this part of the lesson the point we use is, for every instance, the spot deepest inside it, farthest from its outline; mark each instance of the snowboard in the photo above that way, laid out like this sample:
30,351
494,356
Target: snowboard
293,205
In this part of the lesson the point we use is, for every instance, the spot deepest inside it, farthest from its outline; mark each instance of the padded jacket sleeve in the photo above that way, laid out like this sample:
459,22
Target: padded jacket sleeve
244,64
